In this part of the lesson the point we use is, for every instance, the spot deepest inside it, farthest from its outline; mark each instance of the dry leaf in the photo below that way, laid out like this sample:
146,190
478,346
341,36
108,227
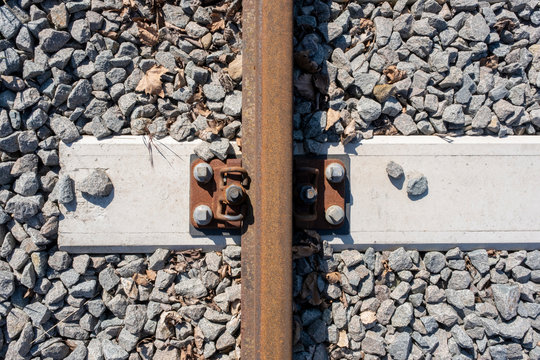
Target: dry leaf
310,290
151,81
151,275
504,24
239,143
218,25
490,62
110,34
304,85
332,117
302,60
393,74
349,133
215,126
367,25
333,277
300,251
322,82
141,279
148,34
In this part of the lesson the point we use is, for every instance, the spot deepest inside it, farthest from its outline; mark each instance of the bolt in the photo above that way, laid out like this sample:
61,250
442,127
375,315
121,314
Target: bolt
335,173
234,194
202,215
203,172
335,215
308,194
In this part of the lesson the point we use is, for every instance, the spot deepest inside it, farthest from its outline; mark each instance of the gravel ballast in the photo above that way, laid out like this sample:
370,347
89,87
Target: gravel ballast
102,68
445,68
417,305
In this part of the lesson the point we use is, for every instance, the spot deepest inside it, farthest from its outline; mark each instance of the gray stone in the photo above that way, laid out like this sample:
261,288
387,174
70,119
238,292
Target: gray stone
135,318
214,91
417,184
108,278
52,40
233,104
368,109
403,315
405,124
482,117
112,351
38,312
9,23
97,183
475,29
351,257
25,99
459,280
479,259
533,260
443,313
191,288
210,330
399,260
63,191
373,343
220,148
506,299
158,259
453,114
7,285
27,184
400,347
65,129
461,337
383,30
85,289
24,207
394,170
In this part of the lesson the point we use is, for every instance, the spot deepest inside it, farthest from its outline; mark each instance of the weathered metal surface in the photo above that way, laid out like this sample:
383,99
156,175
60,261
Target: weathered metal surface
311,171
267,156
227,174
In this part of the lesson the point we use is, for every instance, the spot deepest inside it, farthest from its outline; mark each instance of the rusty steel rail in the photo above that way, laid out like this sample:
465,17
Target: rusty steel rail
267,156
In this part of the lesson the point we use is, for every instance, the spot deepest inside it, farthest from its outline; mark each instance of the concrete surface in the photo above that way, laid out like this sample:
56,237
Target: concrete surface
483,192
149,205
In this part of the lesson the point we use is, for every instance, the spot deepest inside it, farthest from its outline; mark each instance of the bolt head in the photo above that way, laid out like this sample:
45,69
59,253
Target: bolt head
234,194
335,215
203,173
308,194
335,173
202,215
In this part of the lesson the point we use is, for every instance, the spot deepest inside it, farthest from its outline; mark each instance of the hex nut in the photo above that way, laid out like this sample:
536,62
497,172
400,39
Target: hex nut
202,215
335,215
335,173
203,173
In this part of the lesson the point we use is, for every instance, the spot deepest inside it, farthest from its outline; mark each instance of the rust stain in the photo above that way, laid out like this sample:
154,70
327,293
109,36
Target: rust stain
267,156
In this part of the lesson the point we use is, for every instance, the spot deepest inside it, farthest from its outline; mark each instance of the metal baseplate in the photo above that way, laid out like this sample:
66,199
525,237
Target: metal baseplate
219,204
321,193
217,196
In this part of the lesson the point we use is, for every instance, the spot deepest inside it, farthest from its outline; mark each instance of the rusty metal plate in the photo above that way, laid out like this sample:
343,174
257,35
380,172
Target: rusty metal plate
212,194
311,170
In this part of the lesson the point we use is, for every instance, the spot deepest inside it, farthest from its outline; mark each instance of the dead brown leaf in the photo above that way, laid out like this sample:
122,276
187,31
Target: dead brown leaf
504,24
191,255
215,126
302,60
491,62
217,25
148,34
110,34
349,133
304,250
141,279
151,275
322,82
367,25
151,81
304,85
333,277
310,290
224,270
393,74
239,143
332,117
